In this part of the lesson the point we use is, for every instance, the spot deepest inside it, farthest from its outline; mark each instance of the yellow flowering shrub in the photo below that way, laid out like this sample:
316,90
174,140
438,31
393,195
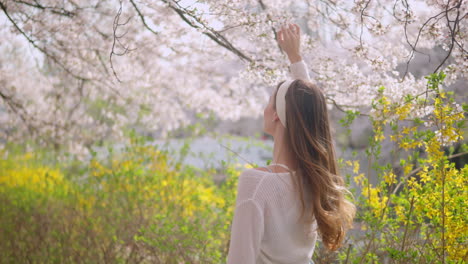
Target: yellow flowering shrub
135,205
414,212
24,176
42,179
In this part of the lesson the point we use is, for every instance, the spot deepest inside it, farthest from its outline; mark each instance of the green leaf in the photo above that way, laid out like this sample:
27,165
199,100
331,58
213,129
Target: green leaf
465,107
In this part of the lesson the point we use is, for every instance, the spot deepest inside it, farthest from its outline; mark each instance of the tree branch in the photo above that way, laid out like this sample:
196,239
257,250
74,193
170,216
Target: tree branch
54,10
142,18
35,45
210,32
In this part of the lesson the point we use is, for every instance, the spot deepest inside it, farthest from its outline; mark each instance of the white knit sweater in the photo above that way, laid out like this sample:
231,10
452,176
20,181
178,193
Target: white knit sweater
266,228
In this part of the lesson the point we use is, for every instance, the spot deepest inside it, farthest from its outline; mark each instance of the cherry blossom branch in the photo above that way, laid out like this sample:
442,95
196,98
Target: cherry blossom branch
453,31
264,7
327,16
418,36
362,21
142,18
217,37
54,10
17,109
116,40
80,99
35,45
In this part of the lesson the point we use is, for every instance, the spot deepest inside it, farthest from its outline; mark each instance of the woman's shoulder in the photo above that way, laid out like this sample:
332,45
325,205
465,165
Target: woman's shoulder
257,172
254,176
258,175
250,181
261,169
274,170
261,184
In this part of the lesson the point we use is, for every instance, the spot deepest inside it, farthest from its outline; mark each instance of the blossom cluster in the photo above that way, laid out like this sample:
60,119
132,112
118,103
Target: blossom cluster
76,73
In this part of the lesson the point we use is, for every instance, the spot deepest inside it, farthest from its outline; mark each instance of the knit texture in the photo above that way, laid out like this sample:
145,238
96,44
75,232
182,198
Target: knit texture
266,226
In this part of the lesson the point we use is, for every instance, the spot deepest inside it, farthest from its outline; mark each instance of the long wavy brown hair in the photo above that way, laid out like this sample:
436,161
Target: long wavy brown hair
309,137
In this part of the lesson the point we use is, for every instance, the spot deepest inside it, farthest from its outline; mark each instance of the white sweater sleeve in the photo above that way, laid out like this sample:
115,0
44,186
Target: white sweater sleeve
247,225
299,71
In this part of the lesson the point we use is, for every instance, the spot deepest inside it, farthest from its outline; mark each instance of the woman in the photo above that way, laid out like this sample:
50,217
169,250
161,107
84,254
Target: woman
282,208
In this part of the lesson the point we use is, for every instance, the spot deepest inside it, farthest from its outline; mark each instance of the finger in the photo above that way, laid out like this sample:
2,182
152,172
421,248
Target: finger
279,36
281,28
293,29
298,29
287,34
290,33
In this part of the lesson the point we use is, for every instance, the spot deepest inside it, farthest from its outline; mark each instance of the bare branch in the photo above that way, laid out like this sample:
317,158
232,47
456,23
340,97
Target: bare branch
210,32
362,21
52,9
142,18
35,45
116,40
453,32
18,110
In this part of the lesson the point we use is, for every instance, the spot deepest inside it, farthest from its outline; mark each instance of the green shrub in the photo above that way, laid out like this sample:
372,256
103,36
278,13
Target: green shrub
136,206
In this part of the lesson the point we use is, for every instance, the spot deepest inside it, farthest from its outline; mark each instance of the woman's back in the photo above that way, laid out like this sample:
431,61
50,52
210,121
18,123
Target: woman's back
267,221
267,227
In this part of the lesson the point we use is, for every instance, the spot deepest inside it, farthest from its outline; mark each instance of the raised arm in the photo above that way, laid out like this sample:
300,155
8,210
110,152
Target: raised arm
289,39
299,70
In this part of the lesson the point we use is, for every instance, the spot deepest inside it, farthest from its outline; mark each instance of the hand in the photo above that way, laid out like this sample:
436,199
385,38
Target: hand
289,39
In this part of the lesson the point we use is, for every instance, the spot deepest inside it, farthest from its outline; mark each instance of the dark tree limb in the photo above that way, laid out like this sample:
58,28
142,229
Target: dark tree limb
52,9
35,45
116,40
217,37
142,18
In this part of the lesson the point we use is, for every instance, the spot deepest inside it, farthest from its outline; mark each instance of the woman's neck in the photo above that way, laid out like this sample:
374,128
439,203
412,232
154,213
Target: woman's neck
282,154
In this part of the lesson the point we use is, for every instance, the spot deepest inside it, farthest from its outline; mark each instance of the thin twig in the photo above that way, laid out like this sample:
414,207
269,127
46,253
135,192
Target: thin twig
251,164
116,40
142,18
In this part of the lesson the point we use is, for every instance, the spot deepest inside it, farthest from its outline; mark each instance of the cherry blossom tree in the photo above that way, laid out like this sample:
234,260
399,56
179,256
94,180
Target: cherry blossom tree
76,72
